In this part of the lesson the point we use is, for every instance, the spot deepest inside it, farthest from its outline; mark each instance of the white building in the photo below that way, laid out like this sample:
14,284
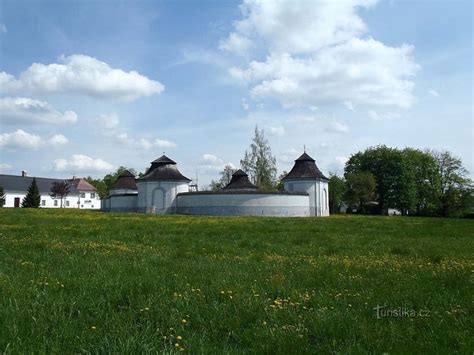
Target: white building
163,189
82,195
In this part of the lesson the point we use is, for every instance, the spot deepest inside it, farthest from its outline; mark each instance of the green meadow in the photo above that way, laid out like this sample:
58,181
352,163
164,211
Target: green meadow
89,282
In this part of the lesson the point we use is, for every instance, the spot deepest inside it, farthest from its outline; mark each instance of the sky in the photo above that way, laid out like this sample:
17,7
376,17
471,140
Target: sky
88,86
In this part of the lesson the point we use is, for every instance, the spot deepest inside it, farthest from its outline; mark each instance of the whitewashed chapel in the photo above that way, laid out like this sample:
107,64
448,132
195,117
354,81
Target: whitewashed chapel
163,189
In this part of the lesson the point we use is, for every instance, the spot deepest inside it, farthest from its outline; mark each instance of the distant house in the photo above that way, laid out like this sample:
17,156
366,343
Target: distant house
82,195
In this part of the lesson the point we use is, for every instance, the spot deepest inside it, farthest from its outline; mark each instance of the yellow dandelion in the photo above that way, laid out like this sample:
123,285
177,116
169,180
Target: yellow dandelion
176,345
184,321
179,337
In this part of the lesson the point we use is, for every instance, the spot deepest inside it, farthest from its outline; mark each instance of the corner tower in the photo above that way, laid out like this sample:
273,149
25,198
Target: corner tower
158,188
306,177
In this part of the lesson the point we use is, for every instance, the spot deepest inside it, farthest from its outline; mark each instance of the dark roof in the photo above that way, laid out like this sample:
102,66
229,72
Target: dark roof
240,180
305,169
163,168
22,183
126,180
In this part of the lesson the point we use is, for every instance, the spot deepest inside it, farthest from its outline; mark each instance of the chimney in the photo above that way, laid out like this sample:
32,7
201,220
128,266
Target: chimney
24,173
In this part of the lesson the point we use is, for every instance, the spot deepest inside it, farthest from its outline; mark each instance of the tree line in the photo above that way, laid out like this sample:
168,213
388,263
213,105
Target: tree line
415,182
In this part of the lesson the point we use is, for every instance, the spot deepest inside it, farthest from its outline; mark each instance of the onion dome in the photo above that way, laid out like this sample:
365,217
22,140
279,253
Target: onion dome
126,180
240,181
305,169
163,168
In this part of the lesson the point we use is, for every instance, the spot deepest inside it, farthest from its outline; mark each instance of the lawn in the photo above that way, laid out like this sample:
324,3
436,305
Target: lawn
90,282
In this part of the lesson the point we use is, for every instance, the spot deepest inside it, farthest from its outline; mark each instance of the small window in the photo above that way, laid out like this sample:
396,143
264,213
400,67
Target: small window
67,203
290,187
92,194
92,206
82,206
43,202
55,203
82,195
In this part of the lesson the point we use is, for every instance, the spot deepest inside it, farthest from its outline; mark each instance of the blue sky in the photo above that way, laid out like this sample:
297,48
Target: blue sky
87,86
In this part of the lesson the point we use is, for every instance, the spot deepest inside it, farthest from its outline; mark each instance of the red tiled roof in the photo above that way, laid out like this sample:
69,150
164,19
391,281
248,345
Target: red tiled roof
82,185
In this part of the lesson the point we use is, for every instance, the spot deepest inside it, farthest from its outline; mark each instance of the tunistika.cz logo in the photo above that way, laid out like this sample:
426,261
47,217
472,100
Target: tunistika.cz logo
384,312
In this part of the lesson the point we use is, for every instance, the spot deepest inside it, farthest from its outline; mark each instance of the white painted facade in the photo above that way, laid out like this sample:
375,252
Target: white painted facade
318,191
81,200
159,197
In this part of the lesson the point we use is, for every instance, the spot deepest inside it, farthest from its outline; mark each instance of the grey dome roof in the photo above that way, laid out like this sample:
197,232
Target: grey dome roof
305,169
163,168
126,180
240,180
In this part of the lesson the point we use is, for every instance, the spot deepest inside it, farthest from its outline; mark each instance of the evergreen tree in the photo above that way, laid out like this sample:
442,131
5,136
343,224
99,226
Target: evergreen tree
33,196
2,197
259,163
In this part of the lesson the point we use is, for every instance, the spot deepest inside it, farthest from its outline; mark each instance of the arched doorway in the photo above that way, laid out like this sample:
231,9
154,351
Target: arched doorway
158,200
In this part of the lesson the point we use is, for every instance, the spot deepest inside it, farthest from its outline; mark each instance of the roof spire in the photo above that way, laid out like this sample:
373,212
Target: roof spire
304,148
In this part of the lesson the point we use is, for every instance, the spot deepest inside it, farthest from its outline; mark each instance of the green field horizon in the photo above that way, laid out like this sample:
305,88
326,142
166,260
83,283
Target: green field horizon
88,282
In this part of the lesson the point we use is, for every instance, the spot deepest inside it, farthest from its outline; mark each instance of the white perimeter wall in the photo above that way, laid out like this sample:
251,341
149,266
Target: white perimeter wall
244,204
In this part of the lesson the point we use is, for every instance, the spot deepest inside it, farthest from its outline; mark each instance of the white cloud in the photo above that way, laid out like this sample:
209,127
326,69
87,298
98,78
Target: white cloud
349,106
341,160
81,74
316,56
144,143
338,127
236,43
277,131
212,163
24,140
108,121
433,93
4,168
297,26
162,143
385,116
359,71
58,139
3,28
81,163
22,110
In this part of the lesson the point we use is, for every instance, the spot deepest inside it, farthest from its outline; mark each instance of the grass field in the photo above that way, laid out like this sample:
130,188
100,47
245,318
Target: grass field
88,282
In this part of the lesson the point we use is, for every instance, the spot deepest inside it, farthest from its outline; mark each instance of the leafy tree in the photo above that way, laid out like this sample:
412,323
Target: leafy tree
394,186
337,188
2,197
60,190
455,188
99,184
226,176
279,184
423,169
259,163
360,189
33,196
